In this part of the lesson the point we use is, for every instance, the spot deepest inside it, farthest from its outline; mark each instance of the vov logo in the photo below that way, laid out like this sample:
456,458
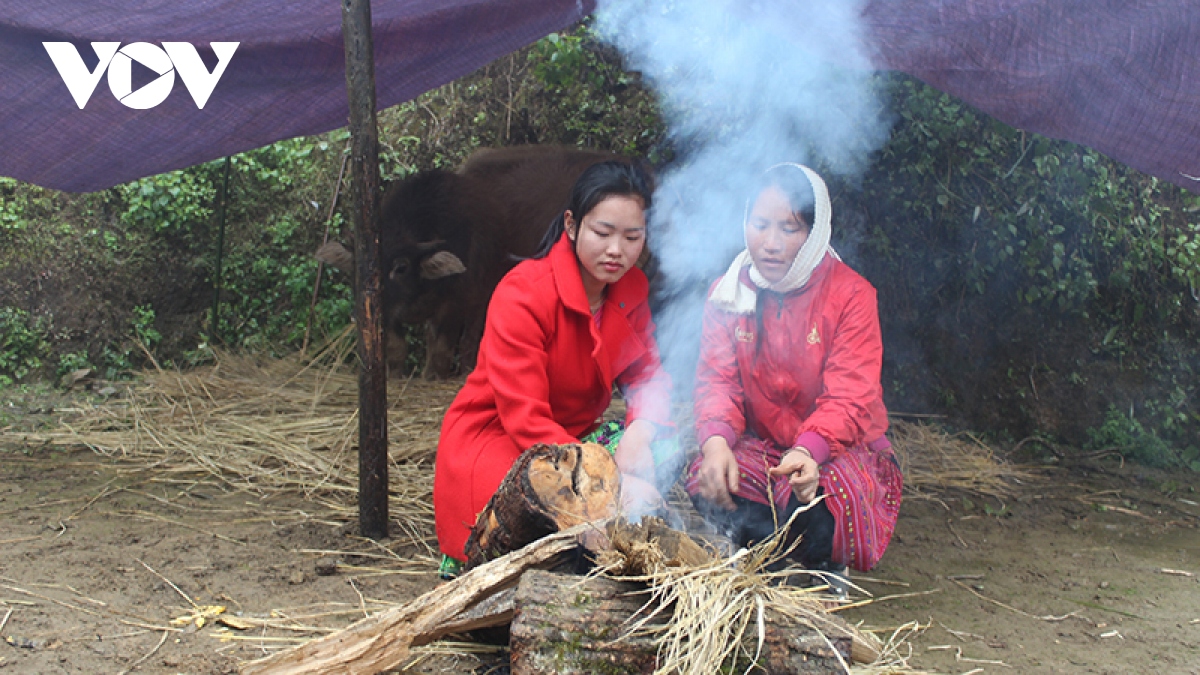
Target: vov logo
171,58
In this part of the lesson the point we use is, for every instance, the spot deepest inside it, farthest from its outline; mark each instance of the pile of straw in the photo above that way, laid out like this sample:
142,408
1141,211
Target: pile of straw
268,426
718,612
933,460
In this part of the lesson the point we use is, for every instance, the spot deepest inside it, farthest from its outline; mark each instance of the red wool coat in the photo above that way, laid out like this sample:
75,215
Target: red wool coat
545,374
813,380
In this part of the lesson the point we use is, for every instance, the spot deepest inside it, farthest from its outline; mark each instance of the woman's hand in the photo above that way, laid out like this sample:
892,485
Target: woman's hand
633,453
803,473
638,497
718,476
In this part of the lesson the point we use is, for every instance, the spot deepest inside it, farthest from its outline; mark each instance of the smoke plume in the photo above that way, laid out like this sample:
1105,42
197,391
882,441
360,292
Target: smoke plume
743,86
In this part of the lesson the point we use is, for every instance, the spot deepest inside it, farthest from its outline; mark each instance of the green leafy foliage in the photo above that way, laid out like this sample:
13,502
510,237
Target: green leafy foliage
23,344
21,205
72,361
170,201
1122,433
1018,265
143,326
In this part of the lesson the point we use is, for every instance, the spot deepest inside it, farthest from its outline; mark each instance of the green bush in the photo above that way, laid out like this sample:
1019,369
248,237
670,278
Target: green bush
170,201
72,361
23,344
999,251
1127,436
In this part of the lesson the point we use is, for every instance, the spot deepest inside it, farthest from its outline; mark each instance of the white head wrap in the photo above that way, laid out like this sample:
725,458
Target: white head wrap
731,296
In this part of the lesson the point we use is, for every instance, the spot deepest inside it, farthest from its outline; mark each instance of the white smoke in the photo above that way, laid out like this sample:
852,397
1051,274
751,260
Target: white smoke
743,86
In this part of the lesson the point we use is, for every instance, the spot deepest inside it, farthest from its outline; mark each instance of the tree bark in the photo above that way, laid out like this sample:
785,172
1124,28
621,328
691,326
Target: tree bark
549,488
368,308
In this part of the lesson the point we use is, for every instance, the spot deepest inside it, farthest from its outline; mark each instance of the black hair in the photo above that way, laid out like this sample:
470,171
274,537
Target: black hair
598,182
794,185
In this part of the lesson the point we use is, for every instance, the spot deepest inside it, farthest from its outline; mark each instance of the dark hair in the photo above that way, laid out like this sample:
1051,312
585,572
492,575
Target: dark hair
598,182
794,185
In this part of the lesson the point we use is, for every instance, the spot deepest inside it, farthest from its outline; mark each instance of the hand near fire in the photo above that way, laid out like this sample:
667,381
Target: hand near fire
803,473
636,463
633,453
718,476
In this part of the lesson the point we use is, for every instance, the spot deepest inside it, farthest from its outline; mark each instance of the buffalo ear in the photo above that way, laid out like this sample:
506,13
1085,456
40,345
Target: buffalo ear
334,254
441,264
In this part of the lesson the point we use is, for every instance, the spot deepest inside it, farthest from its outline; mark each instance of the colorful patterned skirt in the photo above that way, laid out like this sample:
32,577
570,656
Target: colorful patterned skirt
862,487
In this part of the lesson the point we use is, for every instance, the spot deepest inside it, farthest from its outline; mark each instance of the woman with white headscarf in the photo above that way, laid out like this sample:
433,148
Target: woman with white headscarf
788,401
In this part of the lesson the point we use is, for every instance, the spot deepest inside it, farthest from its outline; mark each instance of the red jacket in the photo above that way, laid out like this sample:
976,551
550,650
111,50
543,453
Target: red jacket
810,378
545,374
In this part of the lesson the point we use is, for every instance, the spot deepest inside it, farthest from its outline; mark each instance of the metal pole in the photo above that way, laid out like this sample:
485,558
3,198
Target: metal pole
364,187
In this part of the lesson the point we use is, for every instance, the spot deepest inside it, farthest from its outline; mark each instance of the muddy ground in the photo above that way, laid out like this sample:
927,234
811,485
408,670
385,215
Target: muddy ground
1091,570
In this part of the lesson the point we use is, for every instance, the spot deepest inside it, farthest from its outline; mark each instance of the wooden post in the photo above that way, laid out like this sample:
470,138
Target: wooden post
364,182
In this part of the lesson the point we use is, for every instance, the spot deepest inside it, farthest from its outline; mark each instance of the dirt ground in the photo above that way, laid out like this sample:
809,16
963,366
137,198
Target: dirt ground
102,569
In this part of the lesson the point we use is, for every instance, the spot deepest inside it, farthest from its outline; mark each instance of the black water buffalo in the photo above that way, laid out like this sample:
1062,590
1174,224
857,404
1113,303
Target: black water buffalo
449,237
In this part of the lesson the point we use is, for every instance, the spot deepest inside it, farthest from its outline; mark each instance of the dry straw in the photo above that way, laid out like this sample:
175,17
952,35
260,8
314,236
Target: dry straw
719,612
270,426
933,460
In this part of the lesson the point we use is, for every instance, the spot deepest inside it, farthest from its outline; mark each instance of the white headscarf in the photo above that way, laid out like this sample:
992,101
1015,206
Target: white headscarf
729,293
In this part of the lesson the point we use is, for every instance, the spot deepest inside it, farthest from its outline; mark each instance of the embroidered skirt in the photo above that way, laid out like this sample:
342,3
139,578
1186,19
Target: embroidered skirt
862,487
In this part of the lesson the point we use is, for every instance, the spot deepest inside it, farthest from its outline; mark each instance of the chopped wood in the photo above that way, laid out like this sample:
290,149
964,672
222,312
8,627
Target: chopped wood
383,641
549,488
638,549
566,624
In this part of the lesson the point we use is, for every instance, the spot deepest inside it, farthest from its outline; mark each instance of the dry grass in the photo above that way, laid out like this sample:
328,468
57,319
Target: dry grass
933,460
269,426
720,611
291,424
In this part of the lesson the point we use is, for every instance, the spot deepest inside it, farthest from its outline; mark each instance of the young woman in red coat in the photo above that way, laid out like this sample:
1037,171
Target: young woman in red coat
788,401
561,329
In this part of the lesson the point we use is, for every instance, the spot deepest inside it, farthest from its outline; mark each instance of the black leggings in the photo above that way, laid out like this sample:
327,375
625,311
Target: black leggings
752,522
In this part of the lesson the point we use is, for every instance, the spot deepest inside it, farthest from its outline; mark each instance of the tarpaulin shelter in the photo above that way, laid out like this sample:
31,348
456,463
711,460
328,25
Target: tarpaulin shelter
1121,76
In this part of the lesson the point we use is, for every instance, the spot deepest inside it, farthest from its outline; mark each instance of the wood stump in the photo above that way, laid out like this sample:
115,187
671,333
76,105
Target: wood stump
548,489
566,624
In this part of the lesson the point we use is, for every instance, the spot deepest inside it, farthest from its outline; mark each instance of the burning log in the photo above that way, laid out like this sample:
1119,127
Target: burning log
549,488
566,624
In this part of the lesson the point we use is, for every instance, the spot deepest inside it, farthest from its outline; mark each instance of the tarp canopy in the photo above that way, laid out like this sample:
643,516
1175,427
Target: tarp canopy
1121,76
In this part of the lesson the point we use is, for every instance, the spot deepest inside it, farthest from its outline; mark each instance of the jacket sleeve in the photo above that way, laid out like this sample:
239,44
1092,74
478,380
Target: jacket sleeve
719,398
850,380
515,340
645,384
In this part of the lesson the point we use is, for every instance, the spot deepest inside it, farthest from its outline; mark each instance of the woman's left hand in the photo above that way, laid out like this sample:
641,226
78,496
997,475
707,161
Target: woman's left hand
803,473
633,454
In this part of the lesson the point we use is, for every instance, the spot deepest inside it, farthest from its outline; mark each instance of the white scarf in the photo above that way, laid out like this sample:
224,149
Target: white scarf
729,293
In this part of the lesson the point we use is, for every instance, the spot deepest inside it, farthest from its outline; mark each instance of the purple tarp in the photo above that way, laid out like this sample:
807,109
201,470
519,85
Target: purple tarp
286,79
1121,76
